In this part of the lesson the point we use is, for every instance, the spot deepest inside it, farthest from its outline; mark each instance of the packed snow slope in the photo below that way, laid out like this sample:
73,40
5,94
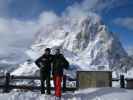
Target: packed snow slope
85,41
87,94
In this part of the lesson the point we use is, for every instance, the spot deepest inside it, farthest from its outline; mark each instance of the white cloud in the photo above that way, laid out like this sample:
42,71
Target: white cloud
98,5
130,50
16,35
48,18
126,22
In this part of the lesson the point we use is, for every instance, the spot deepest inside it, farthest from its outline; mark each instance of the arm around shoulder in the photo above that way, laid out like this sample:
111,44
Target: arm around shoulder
38,62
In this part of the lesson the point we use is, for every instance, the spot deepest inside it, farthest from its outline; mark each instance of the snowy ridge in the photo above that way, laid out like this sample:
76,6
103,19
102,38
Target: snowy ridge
26,69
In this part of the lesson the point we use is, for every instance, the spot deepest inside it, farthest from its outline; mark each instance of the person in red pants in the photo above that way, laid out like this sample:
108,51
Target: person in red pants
57,83
59,63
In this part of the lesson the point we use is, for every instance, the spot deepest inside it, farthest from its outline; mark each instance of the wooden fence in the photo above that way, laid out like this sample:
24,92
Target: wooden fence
124,82
7,87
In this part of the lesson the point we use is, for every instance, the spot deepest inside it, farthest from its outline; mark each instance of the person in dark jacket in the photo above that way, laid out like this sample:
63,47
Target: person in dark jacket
59,63
44,63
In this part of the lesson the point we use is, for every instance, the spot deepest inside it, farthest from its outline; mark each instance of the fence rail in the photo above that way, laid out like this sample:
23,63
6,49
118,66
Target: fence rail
26,77
8,78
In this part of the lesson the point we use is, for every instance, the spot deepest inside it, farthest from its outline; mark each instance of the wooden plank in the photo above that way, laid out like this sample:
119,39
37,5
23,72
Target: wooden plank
33,77
71,79
26,87
26,77
70,89
115,79
2,86
1,77
129,79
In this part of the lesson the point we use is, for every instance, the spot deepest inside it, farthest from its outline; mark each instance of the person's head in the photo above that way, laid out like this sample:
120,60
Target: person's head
47,51
57,51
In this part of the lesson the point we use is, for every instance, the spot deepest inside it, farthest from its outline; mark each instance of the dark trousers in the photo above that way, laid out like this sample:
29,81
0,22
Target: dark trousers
45,78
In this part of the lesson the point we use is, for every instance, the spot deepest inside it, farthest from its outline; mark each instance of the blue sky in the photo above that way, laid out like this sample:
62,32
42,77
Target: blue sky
18,17
31,9
123,12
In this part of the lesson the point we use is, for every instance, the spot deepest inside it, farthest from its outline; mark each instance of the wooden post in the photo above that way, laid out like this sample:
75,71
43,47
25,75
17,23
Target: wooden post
64,83
77,81
110,79
122,81
7,82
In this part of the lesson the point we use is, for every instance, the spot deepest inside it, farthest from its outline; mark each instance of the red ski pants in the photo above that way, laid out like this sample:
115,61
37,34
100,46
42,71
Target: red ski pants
57,85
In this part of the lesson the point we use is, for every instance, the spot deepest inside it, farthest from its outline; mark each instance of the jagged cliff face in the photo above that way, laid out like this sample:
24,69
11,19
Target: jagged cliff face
85,41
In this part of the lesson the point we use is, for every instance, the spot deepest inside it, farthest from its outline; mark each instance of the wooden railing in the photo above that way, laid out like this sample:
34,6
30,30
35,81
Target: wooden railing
7,87
122,81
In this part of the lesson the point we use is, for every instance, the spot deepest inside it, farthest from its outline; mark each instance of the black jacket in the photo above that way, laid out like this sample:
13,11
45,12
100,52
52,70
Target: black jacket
44,62
59,63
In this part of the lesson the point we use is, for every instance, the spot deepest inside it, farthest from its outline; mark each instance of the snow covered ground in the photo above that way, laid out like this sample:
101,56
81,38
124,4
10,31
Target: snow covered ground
87,94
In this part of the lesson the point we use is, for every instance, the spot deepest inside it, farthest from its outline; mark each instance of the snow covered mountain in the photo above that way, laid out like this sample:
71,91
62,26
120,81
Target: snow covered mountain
84,40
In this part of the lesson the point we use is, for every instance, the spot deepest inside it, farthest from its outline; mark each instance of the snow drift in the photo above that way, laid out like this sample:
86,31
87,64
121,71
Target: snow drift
87,94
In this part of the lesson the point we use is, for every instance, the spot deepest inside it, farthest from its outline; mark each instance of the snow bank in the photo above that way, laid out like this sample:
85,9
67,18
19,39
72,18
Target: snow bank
26,69
87,94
